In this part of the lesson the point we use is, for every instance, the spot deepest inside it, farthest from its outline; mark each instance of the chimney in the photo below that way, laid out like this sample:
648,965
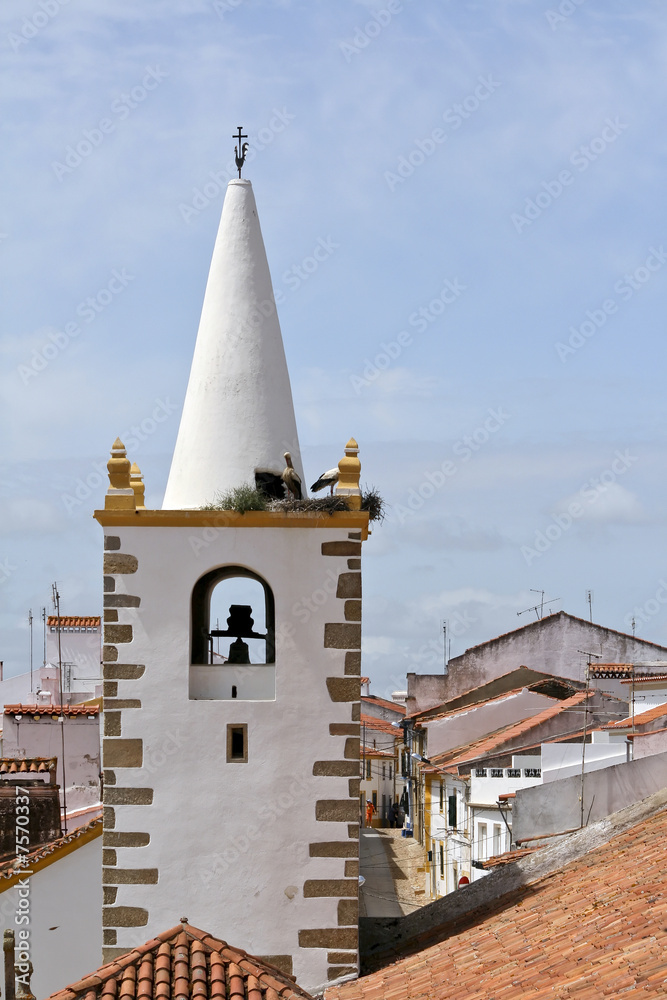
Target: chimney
8,948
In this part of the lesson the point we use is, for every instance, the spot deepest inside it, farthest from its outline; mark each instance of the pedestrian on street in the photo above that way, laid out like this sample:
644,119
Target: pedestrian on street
370,809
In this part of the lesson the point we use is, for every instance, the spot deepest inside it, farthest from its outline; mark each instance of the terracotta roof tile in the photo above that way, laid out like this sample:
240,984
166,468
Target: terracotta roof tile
51,709
645,679
28,765
9,867
487,744
379,725
649,732
185,962
595,928
640,719
383,703
505,859
438,712
73,621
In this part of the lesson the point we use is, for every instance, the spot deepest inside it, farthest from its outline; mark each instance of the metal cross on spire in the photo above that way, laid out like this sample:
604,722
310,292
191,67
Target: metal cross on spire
240,150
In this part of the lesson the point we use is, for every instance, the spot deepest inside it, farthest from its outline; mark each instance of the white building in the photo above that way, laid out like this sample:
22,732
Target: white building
378,784
447,831
79,651
60,906
70,734
251,827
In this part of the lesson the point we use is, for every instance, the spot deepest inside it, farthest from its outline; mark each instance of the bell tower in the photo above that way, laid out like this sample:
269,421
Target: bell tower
232,659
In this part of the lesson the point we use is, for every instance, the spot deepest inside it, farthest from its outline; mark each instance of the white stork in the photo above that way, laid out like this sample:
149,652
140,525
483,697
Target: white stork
291,478
329,478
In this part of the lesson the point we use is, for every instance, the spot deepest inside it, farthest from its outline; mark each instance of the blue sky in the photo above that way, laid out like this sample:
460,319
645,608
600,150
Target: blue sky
497,165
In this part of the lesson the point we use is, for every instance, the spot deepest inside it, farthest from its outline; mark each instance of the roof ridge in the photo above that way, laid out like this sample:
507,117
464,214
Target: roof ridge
511,729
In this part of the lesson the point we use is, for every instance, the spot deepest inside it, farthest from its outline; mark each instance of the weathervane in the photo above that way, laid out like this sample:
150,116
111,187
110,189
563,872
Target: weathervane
240,150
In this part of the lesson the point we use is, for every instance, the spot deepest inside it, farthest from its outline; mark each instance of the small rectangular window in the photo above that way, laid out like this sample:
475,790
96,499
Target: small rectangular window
481,842
375,801
390,772
442,796
383,771
368,769
442,861
237,744
451,811
496,838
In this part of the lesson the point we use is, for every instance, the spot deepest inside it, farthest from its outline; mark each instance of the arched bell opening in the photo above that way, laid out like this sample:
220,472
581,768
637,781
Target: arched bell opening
233,618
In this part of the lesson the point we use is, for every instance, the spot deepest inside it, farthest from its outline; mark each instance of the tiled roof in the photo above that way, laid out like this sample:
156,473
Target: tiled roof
508,857
185,962
649,732
439,712
640,718
379,725
596,928
370,751
393,706
601,670
54,710
44,854
487,744
73,621
645,679
27,765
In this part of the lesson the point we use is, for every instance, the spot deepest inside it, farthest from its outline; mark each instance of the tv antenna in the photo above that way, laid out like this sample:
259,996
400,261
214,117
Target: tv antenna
538,608
444,633
589,598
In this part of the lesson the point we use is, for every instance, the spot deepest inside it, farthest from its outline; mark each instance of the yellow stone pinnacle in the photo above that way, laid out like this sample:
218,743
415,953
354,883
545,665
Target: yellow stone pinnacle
120,495
349,472
137,484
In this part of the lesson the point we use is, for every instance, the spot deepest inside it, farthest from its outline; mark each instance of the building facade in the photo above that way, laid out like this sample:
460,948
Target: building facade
251,824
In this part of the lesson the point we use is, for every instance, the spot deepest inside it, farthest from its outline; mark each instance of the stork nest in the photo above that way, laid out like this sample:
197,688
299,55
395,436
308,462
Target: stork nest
246,497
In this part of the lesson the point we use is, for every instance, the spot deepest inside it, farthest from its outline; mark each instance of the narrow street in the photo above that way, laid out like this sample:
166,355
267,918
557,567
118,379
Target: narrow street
390,866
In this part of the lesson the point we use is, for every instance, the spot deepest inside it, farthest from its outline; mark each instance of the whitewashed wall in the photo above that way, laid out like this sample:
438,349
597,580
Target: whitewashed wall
65,918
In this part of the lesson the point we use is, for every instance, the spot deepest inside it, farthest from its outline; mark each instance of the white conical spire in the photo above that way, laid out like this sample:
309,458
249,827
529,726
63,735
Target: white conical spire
238,416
